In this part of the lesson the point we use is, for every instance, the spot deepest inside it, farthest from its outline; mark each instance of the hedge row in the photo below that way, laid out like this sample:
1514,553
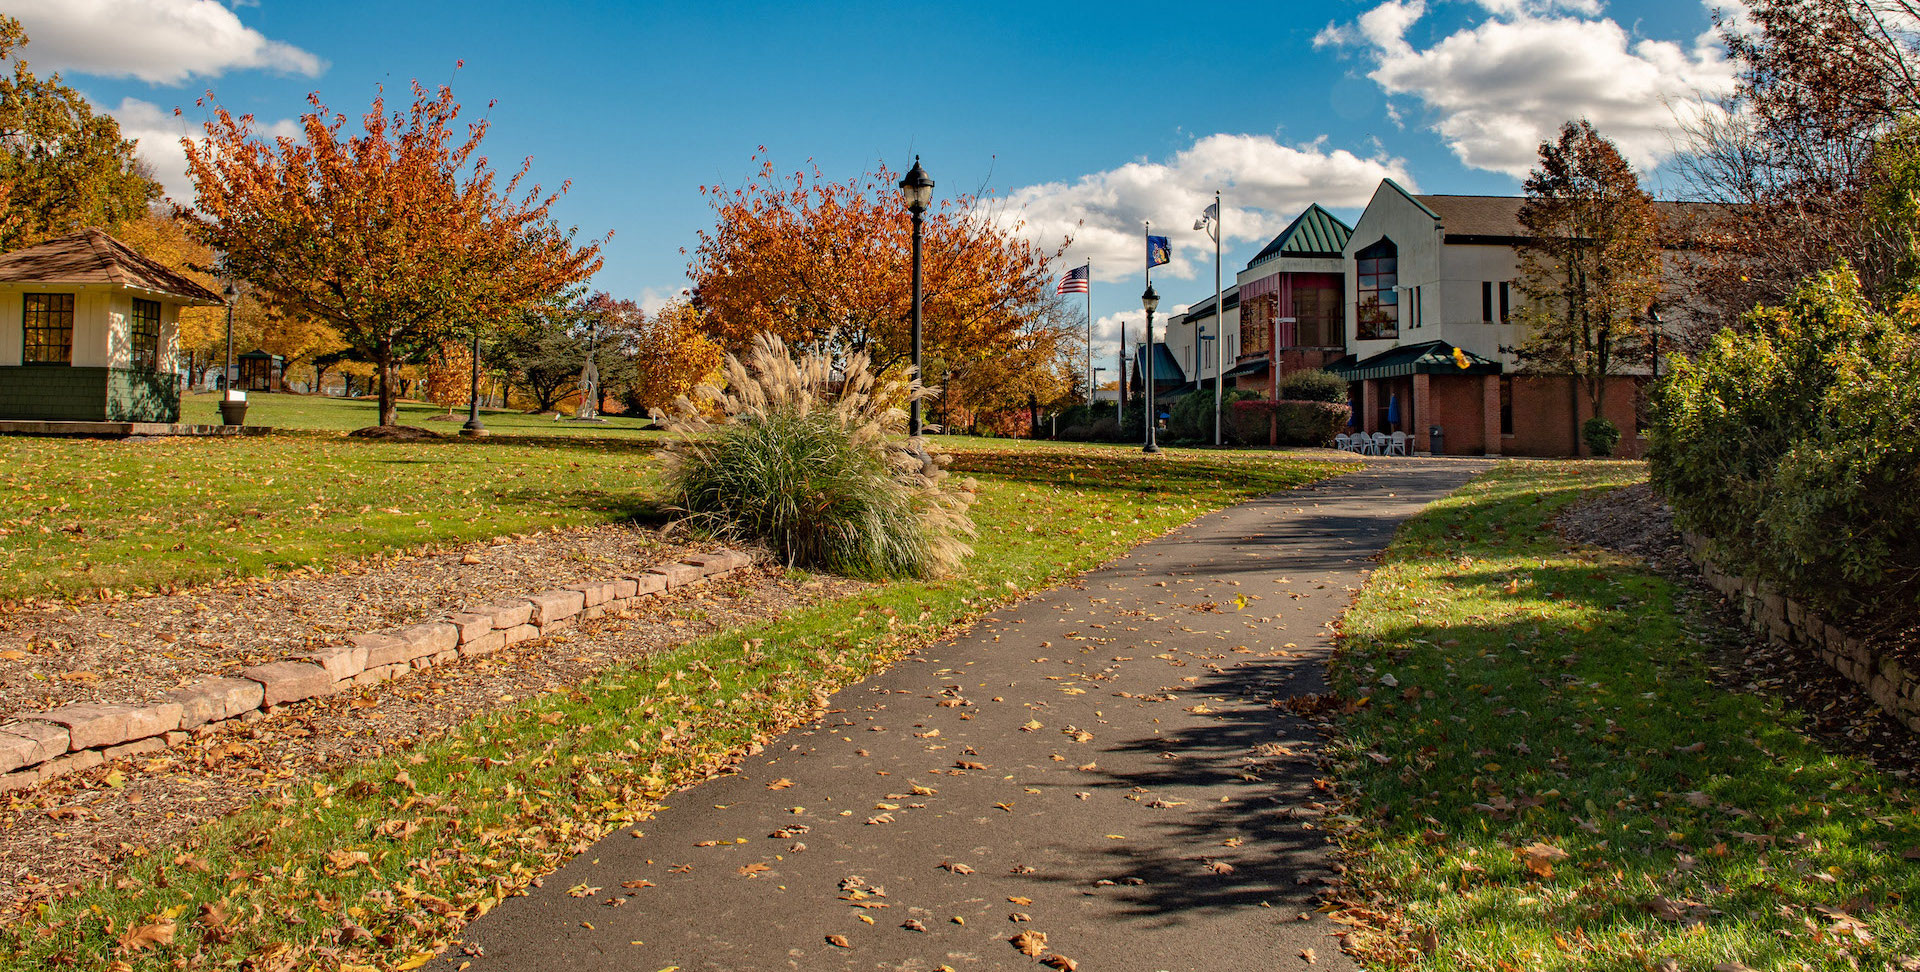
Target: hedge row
1793,445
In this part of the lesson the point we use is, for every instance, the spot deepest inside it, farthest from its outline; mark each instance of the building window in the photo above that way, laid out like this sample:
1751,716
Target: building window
1486,302
1506,405
47,323
146,334
1506,302
1377,268
1317,310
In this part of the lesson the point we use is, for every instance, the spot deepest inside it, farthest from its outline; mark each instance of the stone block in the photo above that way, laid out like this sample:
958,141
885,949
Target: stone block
27,743
374,676
383,648
486,644
625,588
510,613
678,575
471,625
595,593
155,719
21,779
521,632
647,583
215,699
89,726
289,681
442,658
720,561
79,762
430,638
556,626
177,737
1891,670
550,606
138,747
595,612
340,663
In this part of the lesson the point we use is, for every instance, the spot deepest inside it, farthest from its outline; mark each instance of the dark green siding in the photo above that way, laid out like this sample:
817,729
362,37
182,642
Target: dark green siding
52,393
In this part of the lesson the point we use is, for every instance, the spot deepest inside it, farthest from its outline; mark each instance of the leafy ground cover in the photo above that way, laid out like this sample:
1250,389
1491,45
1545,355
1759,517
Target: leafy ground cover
380,863
1546,775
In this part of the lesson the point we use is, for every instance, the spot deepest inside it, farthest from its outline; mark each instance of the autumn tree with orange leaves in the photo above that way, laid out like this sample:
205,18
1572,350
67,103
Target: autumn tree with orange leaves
825,266
398,238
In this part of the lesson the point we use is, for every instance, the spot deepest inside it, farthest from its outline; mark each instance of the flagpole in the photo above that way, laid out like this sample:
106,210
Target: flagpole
1146,375
1220,322
1090,389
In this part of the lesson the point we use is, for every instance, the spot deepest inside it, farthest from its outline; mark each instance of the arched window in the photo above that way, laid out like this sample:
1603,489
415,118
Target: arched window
1377,272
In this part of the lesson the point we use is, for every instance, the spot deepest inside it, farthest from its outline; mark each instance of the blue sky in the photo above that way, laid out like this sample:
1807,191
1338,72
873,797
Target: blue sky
1080,118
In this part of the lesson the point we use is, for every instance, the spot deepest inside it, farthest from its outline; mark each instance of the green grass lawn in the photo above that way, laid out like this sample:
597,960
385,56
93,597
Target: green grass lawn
493,804
81,515
317,413
1547,776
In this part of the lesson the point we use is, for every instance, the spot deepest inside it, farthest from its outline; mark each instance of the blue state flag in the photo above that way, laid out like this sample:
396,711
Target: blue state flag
1159,251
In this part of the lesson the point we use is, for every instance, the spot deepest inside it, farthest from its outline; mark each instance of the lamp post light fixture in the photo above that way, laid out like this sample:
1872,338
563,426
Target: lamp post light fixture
473,426
1200,353
1150,301
916,192
232,293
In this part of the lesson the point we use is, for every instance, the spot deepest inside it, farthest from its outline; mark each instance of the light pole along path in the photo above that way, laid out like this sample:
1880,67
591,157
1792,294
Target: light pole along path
1107,763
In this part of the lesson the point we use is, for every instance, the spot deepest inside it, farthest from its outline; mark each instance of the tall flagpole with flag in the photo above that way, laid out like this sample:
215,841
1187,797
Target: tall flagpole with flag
1079,280
1159,251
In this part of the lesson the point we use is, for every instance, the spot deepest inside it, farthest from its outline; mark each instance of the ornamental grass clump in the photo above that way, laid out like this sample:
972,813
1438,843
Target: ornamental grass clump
811,458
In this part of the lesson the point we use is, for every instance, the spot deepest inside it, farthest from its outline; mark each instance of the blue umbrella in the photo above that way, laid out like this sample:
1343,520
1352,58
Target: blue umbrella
1353,412
1393,410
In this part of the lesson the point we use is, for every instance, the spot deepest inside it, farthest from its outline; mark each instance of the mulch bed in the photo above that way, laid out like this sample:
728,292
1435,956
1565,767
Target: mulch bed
75,829
1635,521
134,649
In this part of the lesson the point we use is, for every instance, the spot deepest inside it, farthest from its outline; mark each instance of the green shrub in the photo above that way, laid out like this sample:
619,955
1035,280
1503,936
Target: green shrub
1294,423
1314,385
1105,430
1601,435
1794,446
810,459
1192,418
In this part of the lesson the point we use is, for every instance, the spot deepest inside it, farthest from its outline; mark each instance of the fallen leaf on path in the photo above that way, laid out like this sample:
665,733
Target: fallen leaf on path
956,867
839,941
1061,962
1030,942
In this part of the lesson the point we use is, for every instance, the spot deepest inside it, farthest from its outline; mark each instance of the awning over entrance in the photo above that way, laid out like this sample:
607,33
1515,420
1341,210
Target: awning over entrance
1247,369
1425,358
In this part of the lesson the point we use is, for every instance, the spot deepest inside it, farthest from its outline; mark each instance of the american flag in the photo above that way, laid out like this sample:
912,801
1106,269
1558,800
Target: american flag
1076,281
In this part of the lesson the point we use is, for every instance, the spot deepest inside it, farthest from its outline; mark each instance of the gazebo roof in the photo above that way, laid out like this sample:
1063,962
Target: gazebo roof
1425,358
92,257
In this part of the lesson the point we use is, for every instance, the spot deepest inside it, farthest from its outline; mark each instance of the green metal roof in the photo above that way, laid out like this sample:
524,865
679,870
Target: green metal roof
1425,358
1315,232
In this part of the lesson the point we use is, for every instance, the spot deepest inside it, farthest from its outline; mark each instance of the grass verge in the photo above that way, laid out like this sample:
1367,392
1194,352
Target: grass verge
379,864
1547,776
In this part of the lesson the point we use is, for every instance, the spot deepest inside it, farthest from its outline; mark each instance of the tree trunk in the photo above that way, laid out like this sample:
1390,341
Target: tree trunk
383,368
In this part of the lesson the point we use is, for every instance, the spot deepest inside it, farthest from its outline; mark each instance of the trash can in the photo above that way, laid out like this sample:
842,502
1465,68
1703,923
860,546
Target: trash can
1437,440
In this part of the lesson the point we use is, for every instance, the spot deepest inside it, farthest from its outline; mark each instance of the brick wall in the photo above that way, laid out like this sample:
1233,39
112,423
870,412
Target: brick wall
1541,426
1456,403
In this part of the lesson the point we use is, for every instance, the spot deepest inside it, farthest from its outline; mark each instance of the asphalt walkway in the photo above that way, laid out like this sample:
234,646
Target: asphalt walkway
1100,764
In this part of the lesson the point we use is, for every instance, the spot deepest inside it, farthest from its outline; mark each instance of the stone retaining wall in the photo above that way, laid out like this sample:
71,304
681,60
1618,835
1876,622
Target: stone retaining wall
1785,621
35,746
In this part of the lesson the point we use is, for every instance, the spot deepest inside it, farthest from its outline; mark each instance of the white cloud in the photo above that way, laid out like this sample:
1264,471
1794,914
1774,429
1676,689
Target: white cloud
1264,184
1494,91
157,41
652,299
159,132
1106,331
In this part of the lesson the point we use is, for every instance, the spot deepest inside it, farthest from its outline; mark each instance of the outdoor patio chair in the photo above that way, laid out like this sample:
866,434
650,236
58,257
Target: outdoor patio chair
1362,444
1342,443
1399,444
1379,443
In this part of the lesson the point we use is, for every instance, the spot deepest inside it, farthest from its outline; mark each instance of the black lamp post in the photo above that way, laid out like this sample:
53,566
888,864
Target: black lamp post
473,426
1150,301
232,293
916,191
